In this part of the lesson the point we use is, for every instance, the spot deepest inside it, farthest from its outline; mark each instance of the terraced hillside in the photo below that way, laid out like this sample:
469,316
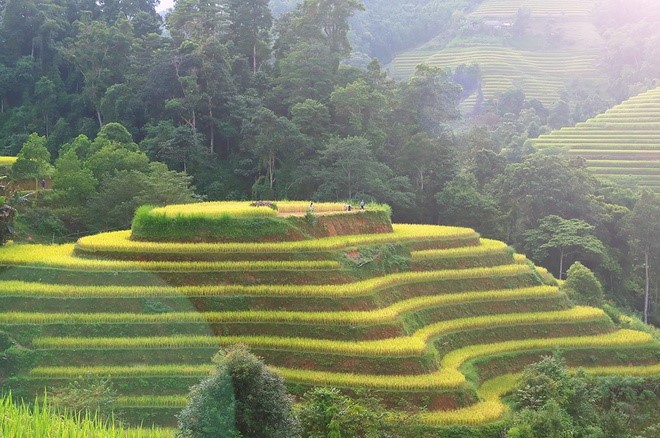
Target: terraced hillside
412,313
540,74
562,8
539,69
623,143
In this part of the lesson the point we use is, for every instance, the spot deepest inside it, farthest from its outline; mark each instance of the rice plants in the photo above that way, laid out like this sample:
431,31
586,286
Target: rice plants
355,289
119,241
61,256
487,246
214,209
152,401
456,358
41,421
7,161
412,345
387,314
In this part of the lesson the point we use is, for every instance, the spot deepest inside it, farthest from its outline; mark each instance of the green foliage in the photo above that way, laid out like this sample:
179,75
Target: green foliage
75,183
241,398
33,161
562,237
87,396
582,286
14,359
120,195
460,202
150,226
326,412
553,403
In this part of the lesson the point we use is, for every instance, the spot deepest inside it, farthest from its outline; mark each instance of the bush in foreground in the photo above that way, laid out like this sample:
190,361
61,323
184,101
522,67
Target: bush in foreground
241,398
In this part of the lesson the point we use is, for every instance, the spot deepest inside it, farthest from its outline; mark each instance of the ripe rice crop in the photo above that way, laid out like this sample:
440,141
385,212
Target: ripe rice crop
123,371
639,371
412,345
486,246
447,377
456,358
41,421
214,209
355,289
386,314
298,207
120,241
61,256
7,161
244,209
152,401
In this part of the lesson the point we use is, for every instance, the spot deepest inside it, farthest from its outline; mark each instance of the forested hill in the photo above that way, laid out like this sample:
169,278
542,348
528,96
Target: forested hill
114,108
386,28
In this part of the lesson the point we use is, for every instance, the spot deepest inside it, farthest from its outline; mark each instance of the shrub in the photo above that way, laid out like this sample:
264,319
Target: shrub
326,413
242,397
88,396
582,286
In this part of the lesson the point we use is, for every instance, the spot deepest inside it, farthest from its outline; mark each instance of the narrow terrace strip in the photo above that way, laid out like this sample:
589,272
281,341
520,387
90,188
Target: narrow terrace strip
356,289
61,256
387,314
413,345
487,246
119,241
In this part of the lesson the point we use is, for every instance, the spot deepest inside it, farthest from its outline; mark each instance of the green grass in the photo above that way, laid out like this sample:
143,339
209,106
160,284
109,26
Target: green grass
41,421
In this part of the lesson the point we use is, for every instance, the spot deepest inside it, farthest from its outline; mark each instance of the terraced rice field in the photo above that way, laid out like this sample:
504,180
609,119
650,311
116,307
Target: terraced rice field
540,74
623,143
350,319
559,8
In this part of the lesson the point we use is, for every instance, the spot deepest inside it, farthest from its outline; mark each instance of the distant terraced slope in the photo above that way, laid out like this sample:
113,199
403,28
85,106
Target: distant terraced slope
400,311
623,143
540,74
562,8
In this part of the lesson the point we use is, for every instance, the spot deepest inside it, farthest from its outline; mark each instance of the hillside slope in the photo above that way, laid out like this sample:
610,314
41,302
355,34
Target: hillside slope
410,314
622,143
547,46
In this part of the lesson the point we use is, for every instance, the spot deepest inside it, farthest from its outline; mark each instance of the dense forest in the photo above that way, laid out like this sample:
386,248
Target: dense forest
220,100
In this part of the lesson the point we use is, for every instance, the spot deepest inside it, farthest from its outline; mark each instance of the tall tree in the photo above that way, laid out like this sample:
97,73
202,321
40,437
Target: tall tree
250,22
644,230
562,237
269,137
331,17
101,53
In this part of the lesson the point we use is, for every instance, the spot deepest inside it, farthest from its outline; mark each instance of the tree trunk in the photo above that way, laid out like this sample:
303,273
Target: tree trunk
2,104
212,142
646,288
254,59
561,263
98,116
271,171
